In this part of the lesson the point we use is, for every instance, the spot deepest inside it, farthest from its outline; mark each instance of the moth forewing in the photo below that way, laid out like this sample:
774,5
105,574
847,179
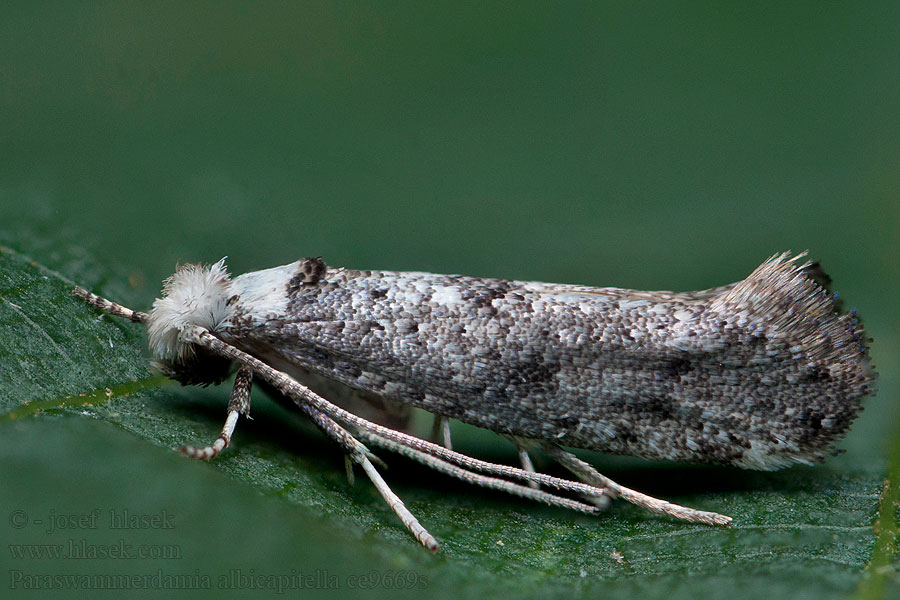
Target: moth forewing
762,373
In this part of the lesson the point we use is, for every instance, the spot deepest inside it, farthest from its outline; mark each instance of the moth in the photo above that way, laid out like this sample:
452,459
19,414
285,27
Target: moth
760,374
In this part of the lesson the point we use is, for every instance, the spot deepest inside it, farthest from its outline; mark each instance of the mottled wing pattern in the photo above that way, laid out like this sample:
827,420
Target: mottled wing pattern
760,373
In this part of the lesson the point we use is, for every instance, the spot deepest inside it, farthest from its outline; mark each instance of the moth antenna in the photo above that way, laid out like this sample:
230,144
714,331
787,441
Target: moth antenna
314,405
474,464
360,454
478,479
779,330
109,306
468,462
310,401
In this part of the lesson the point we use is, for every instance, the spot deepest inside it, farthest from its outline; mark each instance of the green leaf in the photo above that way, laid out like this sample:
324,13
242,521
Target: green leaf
276,506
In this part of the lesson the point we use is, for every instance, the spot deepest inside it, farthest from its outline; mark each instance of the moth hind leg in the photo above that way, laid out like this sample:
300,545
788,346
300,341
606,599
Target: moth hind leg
361,455
440,431
589,474
523,446
238,405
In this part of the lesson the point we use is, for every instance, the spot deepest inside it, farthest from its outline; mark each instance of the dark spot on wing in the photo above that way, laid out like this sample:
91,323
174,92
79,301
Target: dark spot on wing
310,271
676,367
814,375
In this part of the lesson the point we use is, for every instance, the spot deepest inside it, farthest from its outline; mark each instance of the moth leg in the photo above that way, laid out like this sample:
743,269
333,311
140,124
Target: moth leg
527,465
440,431
239,404
396,504
522,446
360,455
443,466
316,406
306,398
406,442
589,474
357,452
348,468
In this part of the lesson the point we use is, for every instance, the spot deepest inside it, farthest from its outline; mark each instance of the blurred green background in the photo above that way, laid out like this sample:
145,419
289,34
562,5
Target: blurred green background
631,144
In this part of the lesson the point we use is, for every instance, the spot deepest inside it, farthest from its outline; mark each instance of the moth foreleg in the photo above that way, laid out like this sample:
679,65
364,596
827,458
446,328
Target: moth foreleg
306,398
239,404
396,504
359,454
589,474
316,406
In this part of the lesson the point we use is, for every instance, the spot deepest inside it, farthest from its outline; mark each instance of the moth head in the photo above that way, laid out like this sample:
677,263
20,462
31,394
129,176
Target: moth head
194,295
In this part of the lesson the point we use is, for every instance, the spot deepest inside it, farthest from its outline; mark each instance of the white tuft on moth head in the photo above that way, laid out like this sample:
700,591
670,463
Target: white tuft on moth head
194,295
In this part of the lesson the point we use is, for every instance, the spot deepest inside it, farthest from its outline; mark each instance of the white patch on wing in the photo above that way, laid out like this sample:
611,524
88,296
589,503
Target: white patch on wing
264,293
446,295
